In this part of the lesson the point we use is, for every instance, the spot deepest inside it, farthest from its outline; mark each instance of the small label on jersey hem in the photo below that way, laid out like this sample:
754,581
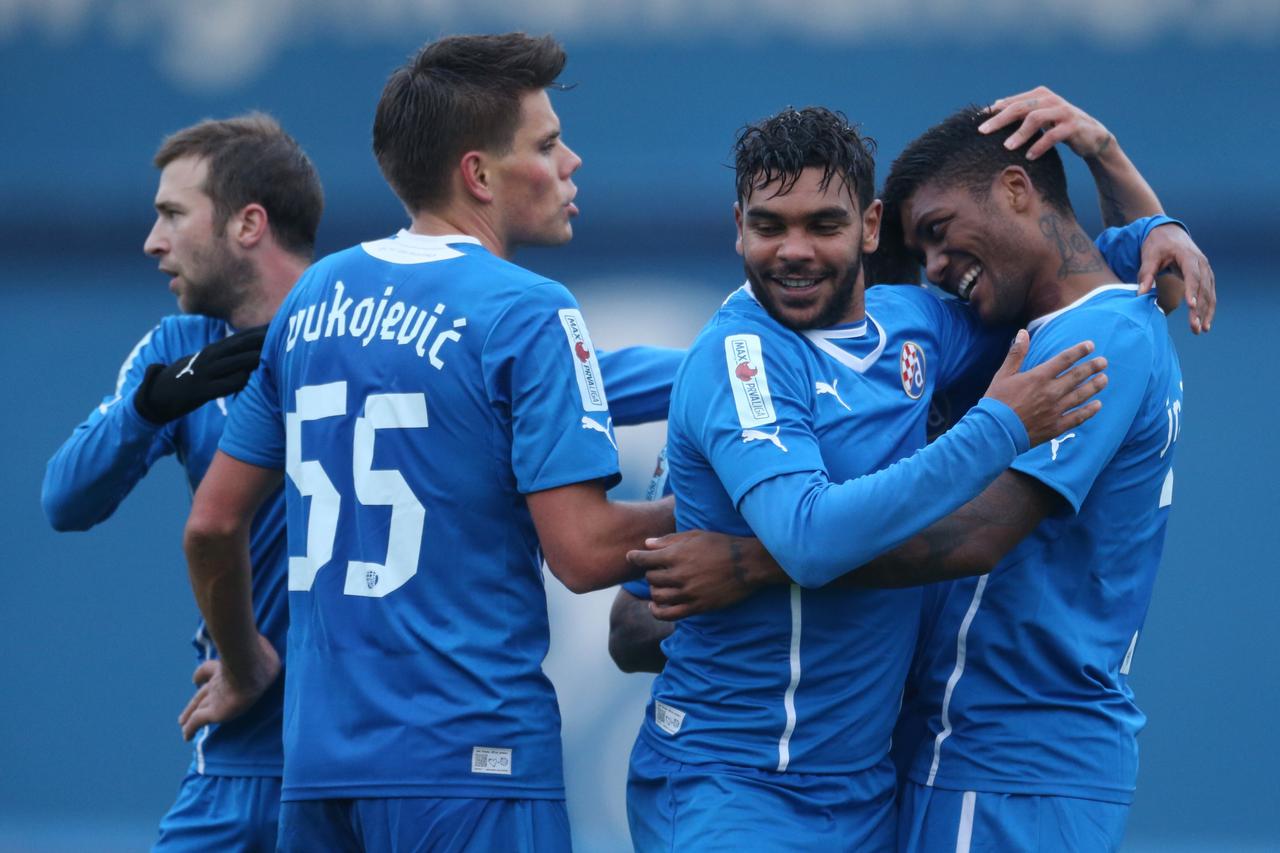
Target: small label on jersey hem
492,760
667,718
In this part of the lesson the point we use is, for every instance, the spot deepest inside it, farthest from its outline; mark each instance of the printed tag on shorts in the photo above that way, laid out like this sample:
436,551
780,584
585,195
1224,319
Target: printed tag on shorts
491,759
668,719
590,385
748,381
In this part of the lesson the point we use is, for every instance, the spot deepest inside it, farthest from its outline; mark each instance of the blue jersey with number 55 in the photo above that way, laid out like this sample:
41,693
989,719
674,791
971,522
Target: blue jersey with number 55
415,389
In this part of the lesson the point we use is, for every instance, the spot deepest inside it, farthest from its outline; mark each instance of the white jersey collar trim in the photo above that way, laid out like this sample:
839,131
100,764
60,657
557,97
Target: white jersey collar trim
822,338
1038,322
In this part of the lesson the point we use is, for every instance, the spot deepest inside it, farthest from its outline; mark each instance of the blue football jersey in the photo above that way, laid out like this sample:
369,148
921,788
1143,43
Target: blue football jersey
1024,672
797,679
415,389
105,458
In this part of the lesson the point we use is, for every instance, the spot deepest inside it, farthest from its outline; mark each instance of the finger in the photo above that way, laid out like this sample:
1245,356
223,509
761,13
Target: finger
667,596
198,719
670,614
1209,302
1147,274
204,672
1079,415
1017,354
1037,92
1082,371
1084,391
1059,132
1065,359
1035,120
649,560
190,707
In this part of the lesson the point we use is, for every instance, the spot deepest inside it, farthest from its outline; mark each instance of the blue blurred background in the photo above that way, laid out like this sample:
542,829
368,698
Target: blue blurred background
94,626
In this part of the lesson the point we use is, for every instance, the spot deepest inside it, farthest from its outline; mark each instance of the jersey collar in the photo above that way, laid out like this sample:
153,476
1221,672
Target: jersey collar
1038,322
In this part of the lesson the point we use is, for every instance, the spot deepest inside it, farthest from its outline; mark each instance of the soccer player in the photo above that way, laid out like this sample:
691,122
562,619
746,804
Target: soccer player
440,413
783,705
1035,750
236,215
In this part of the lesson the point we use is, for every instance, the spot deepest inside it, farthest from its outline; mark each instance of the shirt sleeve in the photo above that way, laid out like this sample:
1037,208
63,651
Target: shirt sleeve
110,451
659,487
255,430
746,403
1122,247
818,530
639,382
540,364
1071,462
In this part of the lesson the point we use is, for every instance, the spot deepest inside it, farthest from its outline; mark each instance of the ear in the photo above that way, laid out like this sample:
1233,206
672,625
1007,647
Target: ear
248,226
871,226
1014,187
737,220
476,176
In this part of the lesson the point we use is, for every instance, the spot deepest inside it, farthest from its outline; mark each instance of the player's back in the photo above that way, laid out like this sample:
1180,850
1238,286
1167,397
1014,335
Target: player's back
418,407
1040,701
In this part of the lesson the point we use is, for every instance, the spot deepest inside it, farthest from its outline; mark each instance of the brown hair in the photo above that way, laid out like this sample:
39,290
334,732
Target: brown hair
458,94
252,160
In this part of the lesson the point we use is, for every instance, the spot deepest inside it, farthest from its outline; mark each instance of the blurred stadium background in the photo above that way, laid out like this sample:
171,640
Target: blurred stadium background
93,627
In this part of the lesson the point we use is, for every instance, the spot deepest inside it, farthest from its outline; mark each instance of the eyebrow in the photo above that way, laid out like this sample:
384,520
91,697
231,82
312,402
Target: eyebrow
833,212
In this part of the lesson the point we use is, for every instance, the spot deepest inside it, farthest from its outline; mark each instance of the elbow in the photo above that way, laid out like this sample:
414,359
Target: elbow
205,528
621,652
805,570
60,511
577,577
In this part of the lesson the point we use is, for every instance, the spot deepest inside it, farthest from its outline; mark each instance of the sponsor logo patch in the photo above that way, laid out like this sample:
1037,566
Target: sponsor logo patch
748,380
590,384
911,363
491,760
668,719
658,484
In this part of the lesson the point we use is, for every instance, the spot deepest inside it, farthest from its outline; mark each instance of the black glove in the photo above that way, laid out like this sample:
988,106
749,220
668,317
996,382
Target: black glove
223,367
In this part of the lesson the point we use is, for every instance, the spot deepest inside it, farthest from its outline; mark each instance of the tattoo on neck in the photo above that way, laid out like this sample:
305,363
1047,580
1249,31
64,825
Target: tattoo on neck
1078,254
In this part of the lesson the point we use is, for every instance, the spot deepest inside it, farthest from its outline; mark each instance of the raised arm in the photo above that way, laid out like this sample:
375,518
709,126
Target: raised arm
1171,261
1123,194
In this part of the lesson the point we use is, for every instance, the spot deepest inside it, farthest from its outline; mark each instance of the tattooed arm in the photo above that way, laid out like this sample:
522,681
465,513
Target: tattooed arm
1123,194
697,571
970,541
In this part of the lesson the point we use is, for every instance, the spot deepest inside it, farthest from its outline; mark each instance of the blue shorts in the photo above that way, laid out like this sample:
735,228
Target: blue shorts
973,821
233,813
438,824
721,807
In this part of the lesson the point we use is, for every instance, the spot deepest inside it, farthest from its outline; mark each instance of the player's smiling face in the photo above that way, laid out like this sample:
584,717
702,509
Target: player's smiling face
972,247
802,250
533,181
207,276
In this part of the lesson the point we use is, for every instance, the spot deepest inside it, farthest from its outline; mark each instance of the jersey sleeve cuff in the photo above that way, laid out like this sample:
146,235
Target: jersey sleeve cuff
1009,420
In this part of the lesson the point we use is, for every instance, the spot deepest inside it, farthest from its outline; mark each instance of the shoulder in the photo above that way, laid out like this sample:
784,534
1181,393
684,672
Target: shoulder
178,334
1108,312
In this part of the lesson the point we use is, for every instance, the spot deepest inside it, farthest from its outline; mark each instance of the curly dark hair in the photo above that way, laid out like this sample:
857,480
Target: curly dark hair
782,146
953,153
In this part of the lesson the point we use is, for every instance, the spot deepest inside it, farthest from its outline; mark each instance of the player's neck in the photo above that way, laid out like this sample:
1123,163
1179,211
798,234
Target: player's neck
445,222
277,272
1072,267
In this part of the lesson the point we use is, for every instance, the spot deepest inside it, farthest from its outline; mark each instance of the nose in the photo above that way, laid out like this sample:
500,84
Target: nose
572,161
935,266
155,244
795,247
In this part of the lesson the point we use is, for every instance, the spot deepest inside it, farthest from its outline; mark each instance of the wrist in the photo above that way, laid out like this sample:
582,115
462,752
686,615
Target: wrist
759,567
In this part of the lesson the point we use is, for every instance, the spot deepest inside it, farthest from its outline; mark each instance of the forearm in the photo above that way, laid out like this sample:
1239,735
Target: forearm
97,466
221,580
1123,194
836,527
586,542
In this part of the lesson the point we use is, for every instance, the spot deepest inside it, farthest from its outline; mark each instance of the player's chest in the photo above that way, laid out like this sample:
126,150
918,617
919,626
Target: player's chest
870,416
